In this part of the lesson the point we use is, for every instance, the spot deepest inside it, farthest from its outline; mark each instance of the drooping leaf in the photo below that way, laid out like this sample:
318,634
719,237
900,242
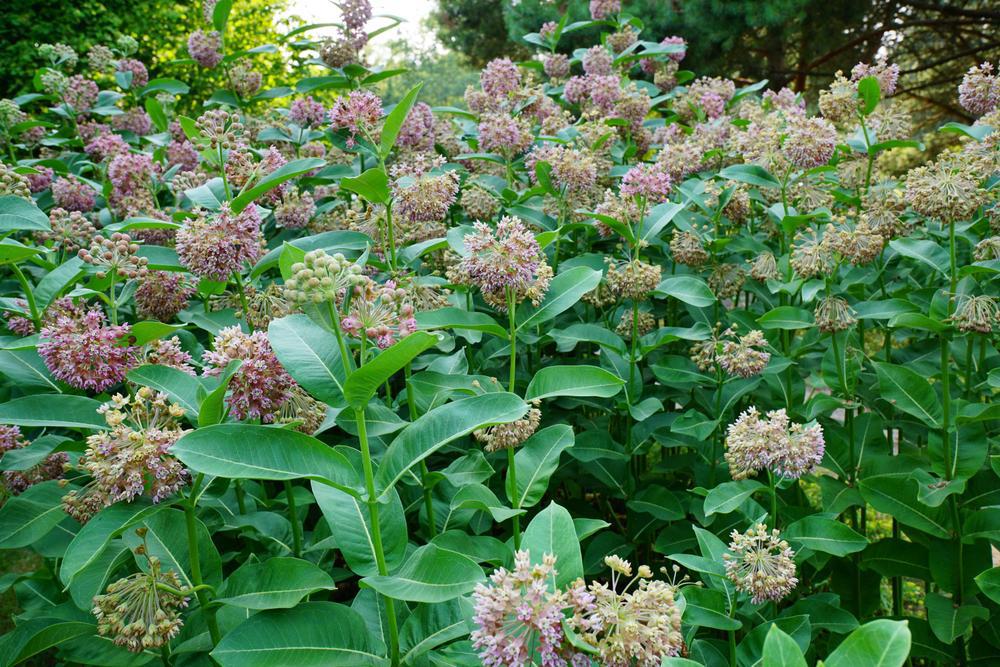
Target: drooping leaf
312,634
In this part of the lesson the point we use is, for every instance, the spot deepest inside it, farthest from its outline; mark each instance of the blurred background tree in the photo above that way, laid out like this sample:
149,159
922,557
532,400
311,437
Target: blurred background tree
795,43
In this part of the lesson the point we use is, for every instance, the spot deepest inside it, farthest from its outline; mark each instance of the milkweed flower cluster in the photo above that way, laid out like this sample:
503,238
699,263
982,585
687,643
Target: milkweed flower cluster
760,564
507,259
511,434
205,48
142,611
84,352
260,386
380,313
307,112
133,457
117,255
69,231
162,294
978,313
979,92
636,620
73,194
522,613
755,443
744,356
216,245
358,112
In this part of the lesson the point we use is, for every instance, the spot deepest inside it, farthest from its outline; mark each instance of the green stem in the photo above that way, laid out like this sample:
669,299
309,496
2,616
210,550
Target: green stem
511,468
717,434
969,345
392,236
244,304
29,296
113,300
293,516
373,513
772,487
222,172
345,358
946,408
194,557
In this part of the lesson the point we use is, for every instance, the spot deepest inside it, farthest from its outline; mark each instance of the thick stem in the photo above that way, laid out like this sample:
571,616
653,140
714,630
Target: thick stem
511,468
293,516
949,464
112,298
345,358
772,487
244,304
373,514
222,172
29,296
195,562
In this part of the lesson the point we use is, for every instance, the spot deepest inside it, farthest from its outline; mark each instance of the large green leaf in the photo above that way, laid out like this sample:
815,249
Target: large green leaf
53,410
781,649
313,634
456,318
689,289
431,625
248,451
551,531
564,291
311,356
949,620
432,575
553,381
277,583
910,392
786,317
881,643
827,535
395,119
373,185
21,214
31,515
896,495
362,384
922,250
95,535
535,461
442,425
728,496
274,179
751,174
350,524
35,635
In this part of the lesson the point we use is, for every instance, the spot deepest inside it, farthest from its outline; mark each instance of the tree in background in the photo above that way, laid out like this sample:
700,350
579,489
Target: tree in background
160,26
444,73
795,43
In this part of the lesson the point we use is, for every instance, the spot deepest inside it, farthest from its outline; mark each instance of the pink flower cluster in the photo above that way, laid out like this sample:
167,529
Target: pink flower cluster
84,352
215,245
261,386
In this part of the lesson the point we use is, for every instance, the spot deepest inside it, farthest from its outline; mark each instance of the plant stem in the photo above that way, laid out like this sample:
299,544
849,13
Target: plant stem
366,462
946,409
511,468
244,304
293,516
113,300
774,499
345,358
195,559
29,296
222,172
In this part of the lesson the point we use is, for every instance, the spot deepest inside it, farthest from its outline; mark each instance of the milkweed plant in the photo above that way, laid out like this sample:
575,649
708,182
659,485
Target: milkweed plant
617,365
